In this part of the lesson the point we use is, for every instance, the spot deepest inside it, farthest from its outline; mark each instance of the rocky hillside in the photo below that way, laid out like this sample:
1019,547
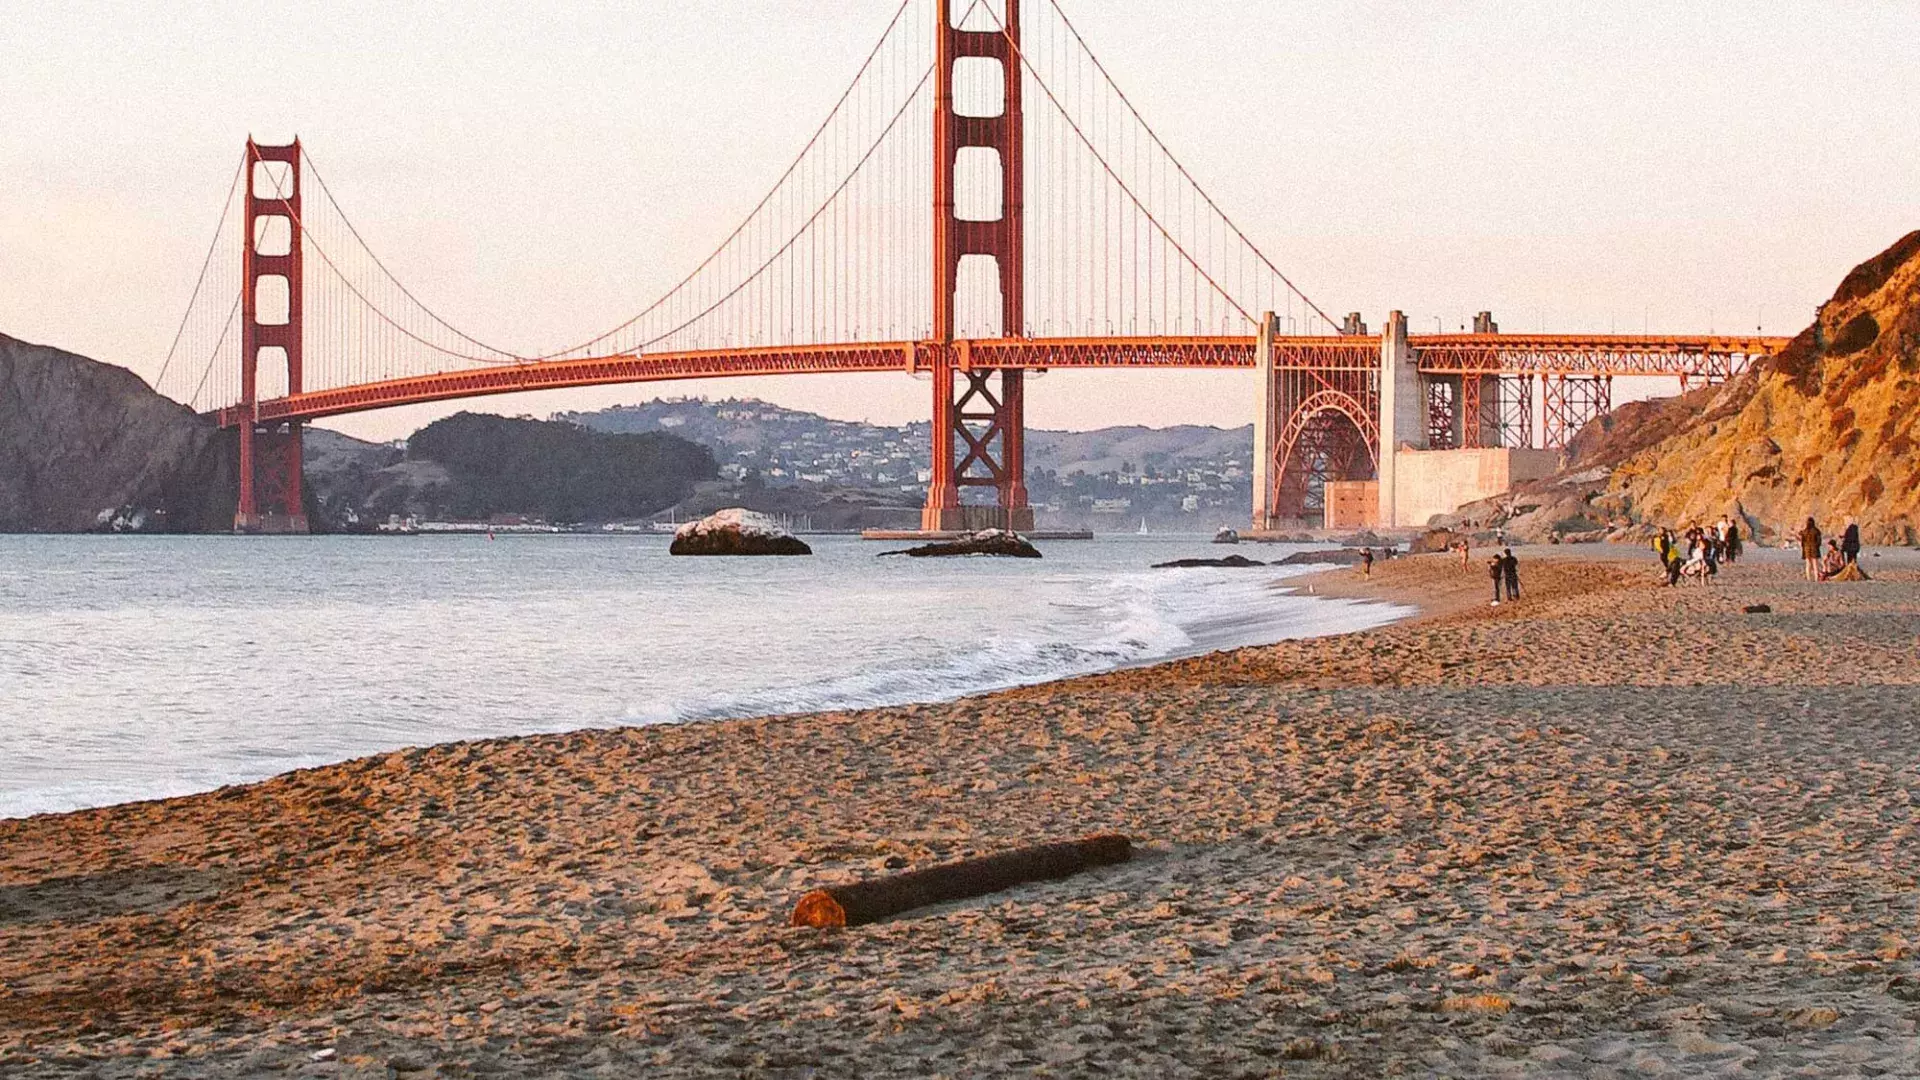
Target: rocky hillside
1827,429
86,445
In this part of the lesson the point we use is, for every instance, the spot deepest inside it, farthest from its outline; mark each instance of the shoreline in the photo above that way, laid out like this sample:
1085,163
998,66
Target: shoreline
306,763
1561,834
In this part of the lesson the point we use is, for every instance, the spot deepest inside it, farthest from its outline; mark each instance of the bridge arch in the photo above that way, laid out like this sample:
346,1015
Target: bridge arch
1330,435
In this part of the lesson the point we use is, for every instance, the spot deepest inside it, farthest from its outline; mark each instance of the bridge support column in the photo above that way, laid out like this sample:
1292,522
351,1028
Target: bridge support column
979,416
1266,429
978,442
1445,412
1571,402
271,460
1403,420
1480,411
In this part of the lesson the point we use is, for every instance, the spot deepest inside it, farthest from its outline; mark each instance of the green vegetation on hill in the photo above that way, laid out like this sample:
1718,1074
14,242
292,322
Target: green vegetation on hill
557,471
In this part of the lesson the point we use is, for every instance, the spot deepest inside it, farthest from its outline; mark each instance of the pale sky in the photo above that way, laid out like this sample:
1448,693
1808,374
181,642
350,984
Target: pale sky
536,170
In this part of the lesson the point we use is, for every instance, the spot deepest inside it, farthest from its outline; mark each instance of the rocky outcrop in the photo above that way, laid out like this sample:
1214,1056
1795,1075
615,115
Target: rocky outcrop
1433,541
1333,557
1226,535
86,445
985,542
1559,509
1827,429
1234,561
735,531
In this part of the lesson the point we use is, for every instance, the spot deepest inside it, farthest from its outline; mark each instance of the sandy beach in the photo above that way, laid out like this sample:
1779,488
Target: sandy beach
1609,830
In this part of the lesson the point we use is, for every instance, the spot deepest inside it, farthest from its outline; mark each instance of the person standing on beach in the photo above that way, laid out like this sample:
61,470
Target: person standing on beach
1510,573
1850,541
1810,549
1466,548
1366,562
1733,540
1497,570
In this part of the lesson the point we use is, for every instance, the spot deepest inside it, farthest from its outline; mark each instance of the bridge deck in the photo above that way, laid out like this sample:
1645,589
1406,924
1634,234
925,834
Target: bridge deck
1537,354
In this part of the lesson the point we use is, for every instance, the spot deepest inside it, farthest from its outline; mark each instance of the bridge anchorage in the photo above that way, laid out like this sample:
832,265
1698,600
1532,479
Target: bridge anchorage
981,203
1388,429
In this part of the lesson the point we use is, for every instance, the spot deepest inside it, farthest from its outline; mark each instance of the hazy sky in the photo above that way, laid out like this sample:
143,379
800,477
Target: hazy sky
534,170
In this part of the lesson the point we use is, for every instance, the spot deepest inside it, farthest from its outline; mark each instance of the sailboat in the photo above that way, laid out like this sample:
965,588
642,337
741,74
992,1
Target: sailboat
1143,528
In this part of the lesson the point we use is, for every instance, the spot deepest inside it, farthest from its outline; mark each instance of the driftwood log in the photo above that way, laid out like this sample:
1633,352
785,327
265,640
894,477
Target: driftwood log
870,901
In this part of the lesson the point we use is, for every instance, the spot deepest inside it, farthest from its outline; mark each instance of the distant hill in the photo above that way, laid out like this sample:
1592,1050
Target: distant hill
1107,450
1826,429
746,429
1186,477
86,445
554,470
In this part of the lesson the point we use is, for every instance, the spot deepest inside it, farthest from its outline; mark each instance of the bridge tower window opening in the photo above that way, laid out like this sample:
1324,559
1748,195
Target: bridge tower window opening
978,186
978,306
273,235
272,301
979,88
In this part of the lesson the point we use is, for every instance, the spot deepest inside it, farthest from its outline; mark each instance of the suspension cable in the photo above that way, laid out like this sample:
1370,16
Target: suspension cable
1138,205
1175,160
831,200
219,231
225,329
408,293
752,214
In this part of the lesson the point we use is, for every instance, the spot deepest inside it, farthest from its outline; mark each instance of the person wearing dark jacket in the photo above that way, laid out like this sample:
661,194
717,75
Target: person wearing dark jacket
1496,569
1510,573
1850,542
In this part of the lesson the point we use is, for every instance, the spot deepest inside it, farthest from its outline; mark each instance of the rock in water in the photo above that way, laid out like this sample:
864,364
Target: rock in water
1336,557
736,531
1235,561
1226,535
985,542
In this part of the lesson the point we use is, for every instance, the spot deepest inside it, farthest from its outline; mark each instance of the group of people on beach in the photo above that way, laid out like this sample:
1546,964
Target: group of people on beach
1840,560
1697,554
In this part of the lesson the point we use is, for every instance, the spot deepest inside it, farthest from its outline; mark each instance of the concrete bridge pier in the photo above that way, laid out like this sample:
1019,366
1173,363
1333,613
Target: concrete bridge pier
1403,421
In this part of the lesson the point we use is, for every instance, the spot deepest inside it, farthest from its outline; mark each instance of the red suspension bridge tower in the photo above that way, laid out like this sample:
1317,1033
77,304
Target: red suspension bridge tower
270,454
979,414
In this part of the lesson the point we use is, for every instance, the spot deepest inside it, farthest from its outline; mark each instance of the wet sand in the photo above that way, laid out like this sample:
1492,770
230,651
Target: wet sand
1610,830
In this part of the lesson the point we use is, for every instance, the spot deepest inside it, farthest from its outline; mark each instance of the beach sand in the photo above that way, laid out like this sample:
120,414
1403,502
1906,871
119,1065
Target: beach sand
1609,830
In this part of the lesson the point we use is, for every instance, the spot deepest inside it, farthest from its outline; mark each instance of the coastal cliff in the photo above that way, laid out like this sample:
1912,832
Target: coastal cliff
1826,429
86,445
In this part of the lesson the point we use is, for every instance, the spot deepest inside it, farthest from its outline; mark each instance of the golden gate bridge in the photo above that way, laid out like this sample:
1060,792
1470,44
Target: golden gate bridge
980,203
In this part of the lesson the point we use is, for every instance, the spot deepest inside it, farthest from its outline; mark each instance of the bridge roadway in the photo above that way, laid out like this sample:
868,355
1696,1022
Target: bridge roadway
1709,356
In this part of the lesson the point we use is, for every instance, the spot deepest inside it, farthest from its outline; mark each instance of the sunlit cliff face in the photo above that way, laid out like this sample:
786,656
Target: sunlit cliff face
1826,430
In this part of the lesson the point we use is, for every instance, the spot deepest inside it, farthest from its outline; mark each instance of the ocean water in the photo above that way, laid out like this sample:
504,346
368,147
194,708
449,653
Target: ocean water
146,667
